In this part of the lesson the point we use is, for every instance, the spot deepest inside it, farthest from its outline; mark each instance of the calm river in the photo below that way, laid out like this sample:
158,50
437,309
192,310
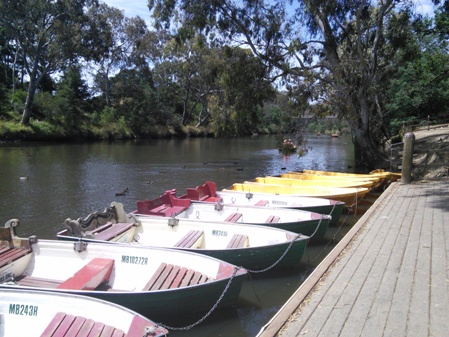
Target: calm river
72,180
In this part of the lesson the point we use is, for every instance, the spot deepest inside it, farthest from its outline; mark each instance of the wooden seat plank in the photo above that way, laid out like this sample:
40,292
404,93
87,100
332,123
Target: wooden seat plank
261,203
64,326
155,276
118,333
53,325
96,330
113,231
233,217
90,276
203,279
162,277
76,326
30,281
189,239
101,228
195,279
170,278
12,254
86,328
272,219
178,279
109,331
186,281
237,241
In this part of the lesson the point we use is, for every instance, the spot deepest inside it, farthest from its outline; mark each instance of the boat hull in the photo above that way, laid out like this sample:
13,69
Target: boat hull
259,247
207,193
28,313
133,267
310,224
350,196
314,183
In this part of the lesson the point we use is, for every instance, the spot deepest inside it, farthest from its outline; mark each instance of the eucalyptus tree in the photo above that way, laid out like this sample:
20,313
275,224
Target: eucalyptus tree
188,70
331,47
48,33
118,46
243,88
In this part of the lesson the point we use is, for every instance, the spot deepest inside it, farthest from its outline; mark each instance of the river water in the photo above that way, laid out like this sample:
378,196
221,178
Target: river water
74,179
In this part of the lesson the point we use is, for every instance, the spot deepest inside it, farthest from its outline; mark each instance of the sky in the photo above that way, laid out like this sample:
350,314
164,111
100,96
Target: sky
139,7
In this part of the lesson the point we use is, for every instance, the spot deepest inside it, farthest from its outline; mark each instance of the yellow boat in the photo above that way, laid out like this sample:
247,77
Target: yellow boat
377,181
394,176
384,176
349,195
315,182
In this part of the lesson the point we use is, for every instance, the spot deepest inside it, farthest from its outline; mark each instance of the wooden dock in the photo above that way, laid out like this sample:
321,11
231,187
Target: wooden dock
388,277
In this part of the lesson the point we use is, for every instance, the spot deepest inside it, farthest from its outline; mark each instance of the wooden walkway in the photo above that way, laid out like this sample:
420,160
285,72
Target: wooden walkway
388,277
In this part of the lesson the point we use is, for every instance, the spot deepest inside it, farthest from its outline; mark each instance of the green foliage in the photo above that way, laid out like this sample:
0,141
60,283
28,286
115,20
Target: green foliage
420,86
17,100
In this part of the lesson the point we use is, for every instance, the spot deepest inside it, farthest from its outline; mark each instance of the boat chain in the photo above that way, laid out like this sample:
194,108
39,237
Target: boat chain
188,327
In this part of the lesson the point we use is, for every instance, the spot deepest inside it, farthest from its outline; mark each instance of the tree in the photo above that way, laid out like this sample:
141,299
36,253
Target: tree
189,70
48,33
331,47
243,87
71,96
420,86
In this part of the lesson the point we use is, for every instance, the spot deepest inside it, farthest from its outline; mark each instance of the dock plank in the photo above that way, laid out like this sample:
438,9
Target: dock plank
387,277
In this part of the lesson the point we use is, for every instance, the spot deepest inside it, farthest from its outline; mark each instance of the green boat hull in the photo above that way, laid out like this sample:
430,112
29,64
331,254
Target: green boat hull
164,305
260,258
316,229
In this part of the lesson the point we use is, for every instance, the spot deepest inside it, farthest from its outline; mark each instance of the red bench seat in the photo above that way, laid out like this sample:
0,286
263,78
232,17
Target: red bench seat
169,276
238,241
64,325
90,276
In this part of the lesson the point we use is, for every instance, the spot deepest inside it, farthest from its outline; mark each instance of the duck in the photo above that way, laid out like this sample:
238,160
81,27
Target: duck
122,192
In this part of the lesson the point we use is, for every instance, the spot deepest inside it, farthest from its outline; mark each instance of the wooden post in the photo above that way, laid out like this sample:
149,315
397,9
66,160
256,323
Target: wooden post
407,158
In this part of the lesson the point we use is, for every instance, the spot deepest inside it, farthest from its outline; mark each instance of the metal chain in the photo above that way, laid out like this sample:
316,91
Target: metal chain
279,260
188,327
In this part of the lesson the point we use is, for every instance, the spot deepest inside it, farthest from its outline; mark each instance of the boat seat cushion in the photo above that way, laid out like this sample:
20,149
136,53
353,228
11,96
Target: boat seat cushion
90,276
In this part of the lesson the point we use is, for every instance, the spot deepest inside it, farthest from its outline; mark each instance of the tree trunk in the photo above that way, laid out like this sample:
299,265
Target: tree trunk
26,115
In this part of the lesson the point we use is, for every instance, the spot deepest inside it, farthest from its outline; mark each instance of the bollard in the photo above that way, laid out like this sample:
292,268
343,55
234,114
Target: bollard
407,158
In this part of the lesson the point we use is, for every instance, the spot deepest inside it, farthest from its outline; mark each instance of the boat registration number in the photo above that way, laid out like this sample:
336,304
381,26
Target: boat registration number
217,232
278,202
134,259
23,309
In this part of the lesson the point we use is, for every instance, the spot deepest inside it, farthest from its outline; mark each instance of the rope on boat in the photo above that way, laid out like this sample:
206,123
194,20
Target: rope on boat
188,327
